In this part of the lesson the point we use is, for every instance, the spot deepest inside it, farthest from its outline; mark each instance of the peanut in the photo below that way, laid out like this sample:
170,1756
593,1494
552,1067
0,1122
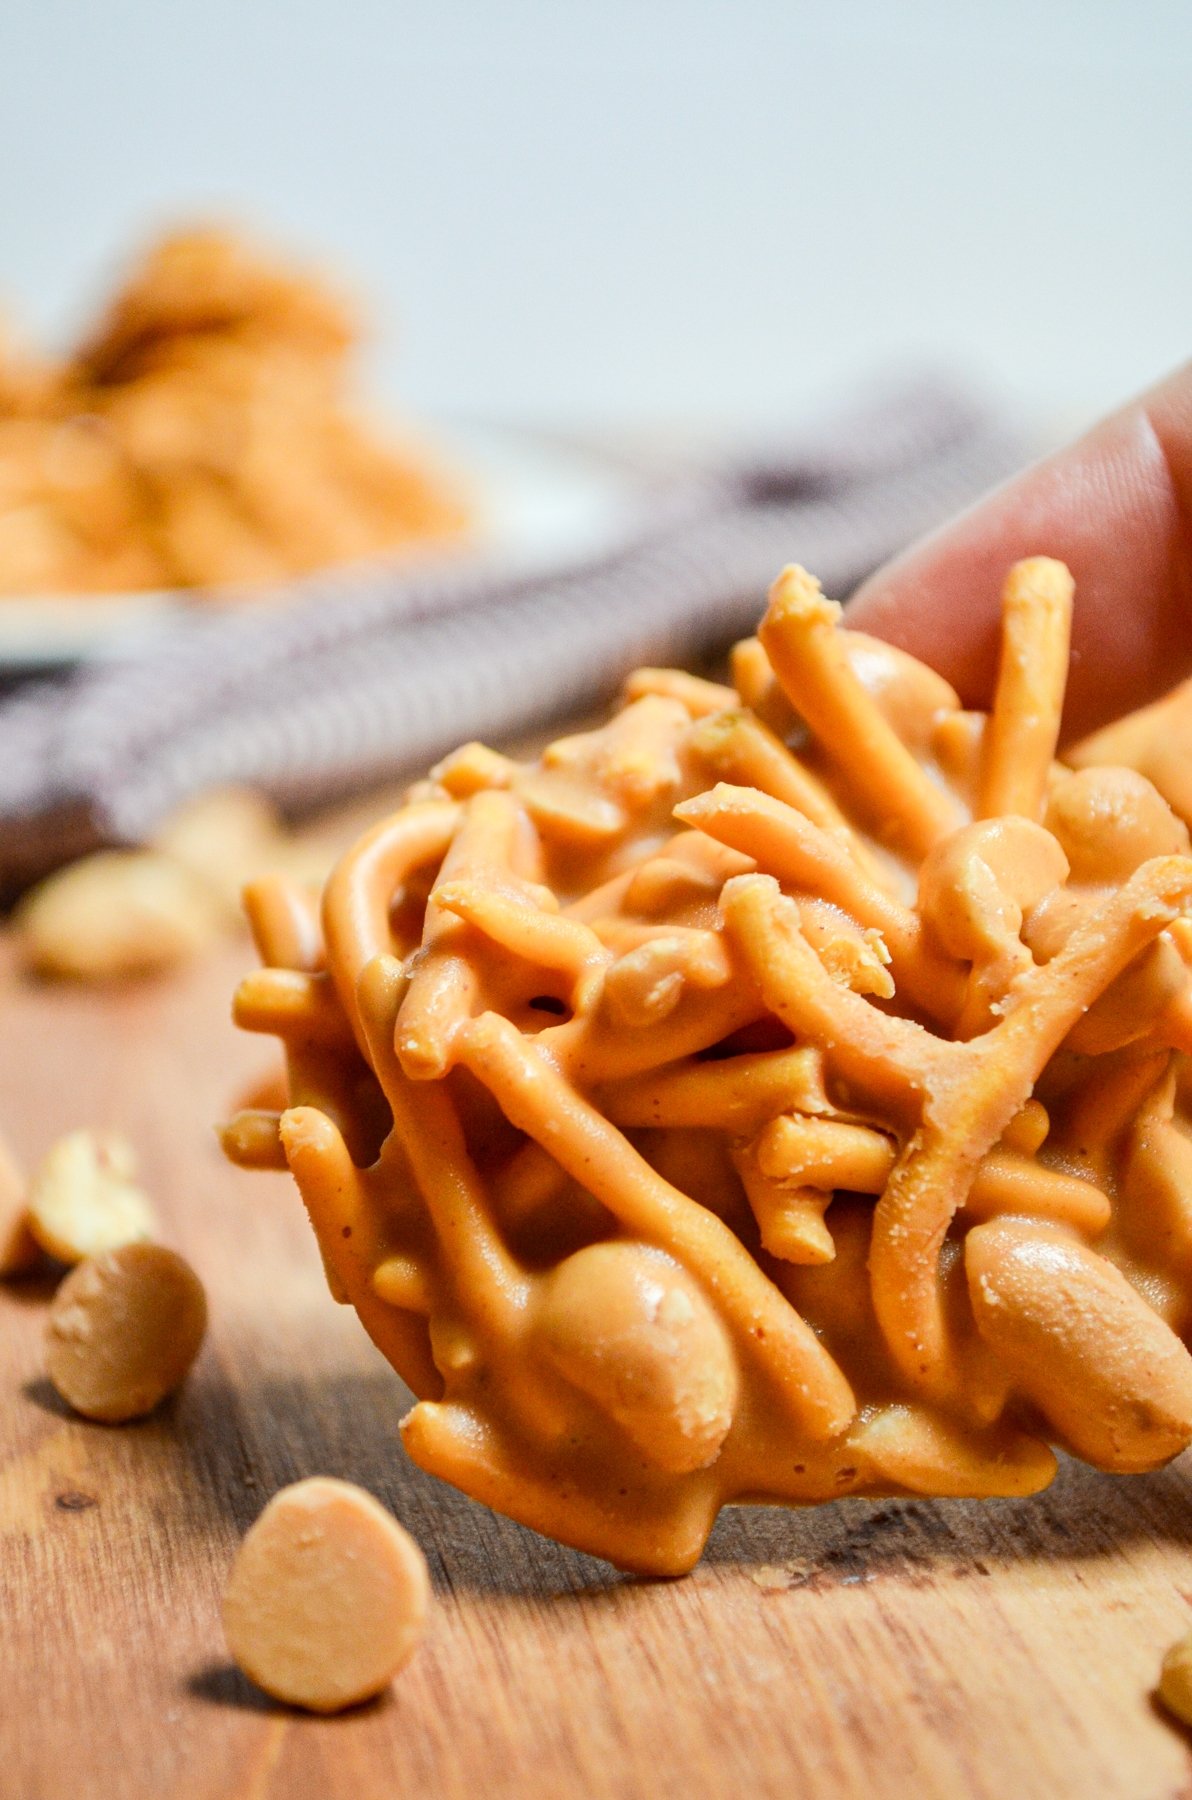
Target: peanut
633,1331
114,914
123,1331
1109,821
927,1455
1112,1379
1175,1680
83,1200
231,836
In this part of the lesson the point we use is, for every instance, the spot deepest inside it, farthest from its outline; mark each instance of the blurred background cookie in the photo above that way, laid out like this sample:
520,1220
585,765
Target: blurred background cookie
204,433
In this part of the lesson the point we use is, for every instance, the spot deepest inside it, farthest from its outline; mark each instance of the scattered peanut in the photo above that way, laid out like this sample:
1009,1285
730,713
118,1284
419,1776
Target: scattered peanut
137,912
117,913
327,1598
123,1331
83,1200
224,839
1175,1680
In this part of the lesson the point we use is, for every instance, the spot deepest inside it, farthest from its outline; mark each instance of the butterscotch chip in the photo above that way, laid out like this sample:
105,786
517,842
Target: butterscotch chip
124,1330
328,1596
1175,1680
117,913
83,1199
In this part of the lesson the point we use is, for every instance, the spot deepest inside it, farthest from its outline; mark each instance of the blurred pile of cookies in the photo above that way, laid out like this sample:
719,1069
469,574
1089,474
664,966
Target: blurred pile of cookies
203,435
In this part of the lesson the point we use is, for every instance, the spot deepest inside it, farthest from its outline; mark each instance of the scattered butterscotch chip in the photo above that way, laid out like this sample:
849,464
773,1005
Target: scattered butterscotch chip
19,1249
117,913
327,1598
1175,1680
124,1330
83,1198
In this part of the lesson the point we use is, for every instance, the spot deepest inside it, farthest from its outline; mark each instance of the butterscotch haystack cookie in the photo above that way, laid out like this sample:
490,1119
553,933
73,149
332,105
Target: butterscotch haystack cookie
778,1093
205,433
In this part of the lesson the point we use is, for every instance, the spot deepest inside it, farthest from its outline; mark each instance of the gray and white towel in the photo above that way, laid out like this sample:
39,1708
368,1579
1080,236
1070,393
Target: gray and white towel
368,672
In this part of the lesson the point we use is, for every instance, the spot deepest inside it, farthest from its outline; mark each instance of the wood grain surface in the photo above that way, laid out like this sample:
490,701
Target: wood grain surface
909,1648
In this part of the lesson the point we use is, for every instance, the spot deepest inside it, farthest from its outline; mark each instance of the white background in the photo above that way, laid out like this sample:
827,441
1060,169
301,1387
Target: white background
639,211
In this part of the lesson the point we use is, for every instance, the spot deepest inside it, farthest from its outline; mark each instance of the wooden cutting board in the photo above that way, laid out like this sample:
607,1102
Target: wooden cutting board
877,1649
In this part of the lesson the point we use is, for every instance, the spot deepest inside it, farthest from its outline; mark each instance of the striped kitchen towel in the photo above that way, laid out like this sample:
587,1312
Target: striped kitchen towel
366,673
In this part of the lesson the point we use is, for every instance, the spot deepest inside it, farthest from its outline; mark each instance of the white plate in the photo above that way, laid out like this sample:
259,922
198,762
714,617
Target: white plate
537,503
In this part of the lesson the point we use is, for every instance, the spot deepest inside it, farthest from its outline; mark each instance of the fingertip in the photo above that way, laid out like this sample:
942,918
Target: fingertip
1113,508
